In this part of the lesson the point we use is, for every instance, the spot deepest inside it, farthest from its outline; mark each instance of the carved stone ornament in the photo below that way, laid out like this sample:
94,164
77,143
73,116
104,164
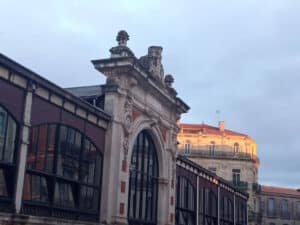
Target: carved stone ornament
127,122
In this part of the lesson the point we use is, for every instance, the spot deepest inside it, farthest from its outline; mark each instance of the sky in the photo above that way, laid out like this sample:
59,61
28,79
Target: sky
239,57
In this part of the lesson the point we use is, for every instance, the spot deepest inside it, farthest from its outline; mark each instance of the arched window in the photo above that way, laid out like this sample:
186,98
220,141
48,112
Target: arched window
185,202
143,187
8,138
212,147
187,147
236,147
63,176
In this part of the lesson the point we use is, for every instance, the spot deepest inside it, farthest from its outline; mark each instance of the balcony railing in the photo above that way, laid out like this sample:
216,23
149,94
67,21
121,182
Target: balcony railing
218,151
254,217
241,185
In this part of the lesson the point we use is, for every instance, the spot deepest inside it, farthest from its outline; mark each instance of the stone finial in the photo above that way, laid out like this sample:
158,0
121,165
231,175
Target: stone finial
122,38
169,80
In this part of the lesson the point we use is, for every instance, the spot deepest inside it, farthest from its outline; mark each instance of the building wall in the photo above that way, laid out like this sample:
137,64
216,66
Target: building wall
33,101
200,138
224,170
222,158
210,197
293,217
137,99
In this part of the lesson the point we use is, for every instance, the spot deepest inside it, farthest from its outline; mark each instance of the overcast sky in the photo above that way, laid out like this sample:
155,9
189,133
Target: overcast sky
239,57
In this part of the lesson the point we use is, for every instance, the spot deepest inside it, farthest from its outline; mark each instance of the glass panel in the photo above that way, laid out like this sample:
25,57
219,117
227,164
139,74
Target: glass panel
271,207
32,148
10,140
50,147
8,129
41,151
35,188
3,116
89,198
63,195
3,187
91,164
2,121
143,185
69,149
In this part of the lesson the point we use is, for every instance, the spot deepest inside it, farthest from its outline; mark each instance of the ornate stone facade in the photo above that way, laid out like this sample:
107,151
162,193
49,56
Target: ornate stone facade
110,159
138,99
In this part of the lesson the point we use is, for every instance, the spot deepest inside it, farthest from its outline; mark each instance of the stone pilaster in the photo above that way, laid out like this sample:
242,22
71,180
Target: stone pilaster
24,137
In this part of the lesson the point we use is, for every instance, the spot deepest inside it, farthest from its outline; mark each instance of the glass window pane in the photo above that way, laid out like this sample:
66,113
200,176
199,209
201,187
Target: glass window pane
143,185
8,129
3,187
41,147
89,198
50,147
63,195
32,148
3,117
2,121
69,153
35,188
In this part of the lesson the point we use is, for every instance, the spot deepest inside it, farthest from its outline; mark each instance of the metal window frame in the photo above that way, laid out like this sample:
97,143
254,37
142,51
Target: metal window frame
52,178
151,181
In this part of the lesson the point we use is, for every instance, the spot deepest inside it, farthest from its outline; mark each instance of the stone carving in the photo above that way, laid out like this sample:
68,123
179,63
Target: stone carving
121,50
127,124
127,115
152,63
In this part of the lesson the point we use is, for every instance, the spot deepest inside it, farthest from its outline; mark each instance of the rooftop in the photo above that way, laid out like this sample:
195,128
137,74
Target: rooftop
208,129
280,190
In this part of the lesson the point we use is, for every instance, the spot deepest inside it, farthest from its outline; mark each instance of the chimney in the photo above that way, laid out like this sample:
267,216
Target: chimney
222,126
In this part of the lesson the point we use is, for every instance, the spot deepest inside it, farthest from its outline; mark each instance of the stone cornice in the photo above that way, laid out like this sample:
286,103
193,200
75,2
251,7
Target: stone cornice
130,65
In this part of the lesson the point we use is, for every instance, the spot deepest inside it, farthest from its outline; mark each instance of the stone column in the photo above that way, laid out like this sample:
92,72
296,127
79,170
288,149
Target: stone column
24,137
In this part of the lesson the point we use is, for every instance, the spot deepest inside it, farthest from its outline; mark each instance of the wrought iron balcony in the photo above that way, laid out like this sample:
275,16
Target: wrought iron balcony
241,185
255,217
218,152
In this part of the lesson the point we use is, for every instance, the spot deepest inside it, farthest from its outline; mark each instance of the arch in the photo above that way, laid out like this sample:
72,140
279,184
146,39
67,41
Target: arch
185,202
138,126
143,182
9,129
63,174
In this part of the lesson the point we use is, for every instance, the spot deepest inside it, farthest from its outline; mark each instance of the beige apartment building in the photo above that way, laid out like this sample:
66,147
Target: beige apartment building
229,154
233,156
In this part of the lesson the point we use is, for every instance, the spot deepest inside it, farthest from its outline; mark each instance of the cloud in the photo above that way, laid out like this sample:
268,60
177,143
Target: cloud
241,57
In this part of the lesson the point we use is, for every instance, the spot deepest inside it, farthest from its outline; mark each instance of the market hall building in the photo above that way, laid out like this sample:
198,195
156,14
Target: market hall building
103,154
